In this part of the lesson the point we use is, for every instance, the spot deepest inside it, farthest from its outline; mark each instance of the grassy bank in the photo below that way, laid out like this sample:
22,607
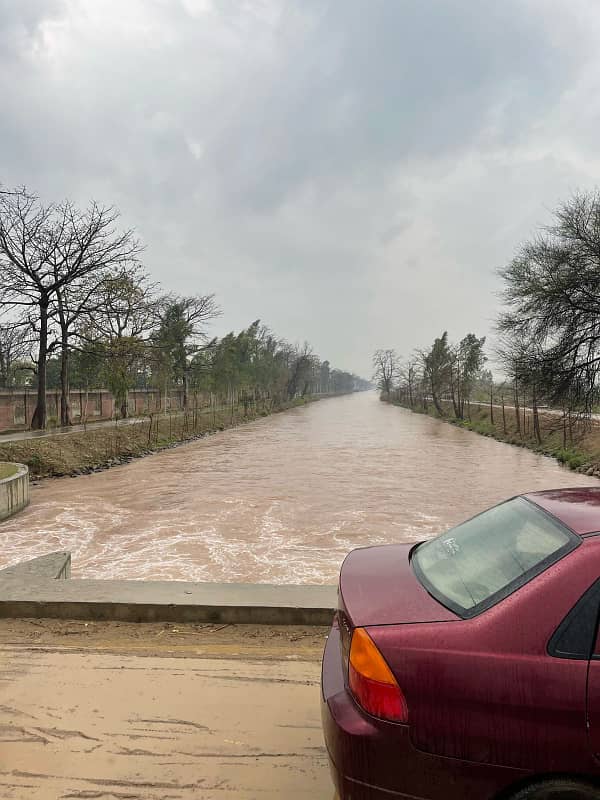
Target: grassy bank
575,446
104,447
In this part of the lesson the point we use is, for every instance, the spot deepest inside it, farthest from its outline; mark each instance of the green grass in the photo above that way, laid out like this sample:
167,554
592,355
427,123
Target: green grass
7,470
477,426
571,458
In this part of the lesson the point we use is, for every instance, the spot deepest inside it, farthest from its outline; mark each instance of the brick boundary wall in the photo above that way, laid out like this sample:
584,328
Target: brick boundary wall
18,405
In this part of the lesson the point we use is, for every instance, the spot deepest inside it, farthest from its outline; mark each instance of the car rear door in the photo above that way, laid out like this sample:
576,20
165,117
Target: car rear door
587,629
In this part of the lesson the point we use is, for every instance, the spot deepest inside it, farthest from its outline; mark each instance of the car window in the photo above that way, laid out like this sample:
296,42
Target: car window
474,565
575,636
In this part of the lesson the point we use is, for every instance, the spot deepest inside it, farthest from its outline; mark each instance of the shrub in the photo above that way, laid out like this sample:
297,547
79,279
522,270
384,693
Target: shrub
570,458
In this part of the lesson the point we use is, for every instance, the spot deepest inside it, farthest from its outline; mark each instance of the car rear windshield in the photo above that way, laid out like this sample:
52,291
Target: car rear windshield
473,566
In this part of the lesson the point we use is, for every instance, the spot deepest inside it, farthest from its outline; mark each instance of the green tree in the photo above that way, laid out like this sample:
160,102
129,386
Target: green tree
466,363
437,367
181,333
122,320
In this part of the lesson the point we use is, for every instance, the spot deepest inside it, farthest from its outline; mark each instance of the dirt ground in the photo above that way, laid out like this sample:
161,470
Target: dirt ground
109,711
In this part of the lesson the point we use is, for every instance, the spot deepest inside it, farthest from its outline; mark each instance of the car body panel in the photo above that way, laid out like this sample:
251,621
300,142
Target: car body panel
593,710
488,706
577,508
479,688
375,760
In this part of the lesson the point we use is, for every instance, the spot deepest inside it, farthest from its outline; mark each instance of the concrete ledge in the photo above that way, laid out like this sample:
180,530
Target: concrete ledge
14,492
29,590
50,567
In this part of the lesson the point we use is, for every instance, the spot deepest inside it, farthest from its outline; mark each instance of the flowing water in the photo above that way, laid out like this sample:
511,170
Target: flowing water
280,500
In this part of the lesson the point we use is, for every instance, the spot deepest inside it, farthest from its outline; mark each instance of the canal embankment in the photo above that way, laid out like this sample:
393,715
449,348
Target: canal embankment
572,441
104,446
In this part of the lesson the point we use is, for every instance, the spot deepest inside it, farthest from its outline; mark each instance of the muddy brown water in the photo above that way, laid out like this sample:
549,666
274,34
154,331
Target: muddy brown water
280,500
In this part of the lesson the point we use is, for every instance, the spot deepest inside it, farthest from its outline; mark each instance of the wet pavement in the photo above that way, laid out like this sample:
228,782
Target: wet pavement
160,713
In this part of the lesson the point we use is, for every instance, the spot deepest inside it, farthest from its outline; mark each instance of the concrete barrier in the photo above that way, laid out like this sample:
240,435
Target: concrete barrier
35,589
14,492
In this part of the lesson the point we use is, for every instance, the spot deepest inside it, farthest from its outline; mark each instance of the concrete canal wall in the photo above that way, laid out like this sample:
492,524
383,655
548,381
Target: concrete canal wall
14,492
42,588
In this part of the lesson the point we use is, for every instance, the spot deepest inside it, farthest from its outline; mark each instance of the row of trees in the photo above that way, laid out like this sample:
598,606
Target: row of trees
442,372
548,332
77,307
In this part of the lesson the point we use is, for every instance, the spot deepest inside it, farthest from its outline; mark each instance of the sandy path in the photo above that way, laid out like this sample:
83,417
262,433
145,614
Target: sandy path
159,712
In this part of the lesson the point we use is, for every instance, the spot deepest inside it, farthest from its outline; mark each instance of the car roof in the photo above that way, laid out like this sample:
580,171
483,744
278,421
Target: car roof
578,507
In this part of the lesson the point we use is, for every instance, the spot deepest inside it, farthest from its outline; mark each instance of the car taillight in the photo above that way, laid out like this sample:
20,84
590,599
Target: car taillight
371,681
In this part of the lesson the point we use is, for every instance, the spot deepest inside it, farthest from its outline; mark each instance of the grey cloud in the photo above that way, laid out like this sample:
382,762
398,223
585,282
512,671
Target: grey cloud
382,82
352,171
20,22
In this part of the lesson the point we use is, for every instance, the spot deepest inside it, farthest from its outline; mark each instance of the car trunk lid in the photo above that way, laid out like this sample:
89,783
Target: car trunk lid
379,587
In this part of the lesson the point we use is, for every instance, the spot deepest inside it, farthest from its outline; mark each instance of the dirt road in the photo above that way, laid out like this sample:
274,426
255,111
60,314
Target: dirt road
160,712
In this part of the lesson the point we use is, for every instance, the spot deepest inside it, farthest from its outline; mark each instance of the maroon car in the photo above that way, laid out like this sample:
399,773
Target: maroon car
468,666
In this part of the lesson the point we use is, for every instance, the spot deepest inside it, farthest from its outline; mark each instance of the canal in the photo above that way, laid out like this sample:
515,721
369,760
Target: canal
280,500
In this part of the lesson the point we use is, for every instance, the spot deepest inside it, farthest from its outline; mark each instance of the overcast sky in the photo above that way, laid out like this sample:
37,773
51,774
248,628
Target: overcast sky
349,171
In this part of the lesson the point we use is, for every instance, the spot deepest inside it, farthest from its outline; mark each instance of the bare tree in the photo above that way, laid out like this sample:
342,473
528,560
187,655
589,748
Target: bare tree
302,366
552,294
88,250
45,252
15,347
408,374
26,251
386,365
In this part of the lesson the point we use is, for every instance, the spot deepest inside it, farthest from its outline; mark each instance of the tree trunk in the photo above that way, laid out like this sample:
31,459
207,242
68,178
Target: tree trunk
503,417
436,402
536,418
570,429
492,404
453,390
38,422
65,405
517,410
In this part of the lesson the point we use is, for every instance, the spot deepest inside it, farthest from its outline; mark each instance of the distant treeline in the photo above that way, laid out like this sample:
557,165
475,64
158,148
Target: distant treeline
79,309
